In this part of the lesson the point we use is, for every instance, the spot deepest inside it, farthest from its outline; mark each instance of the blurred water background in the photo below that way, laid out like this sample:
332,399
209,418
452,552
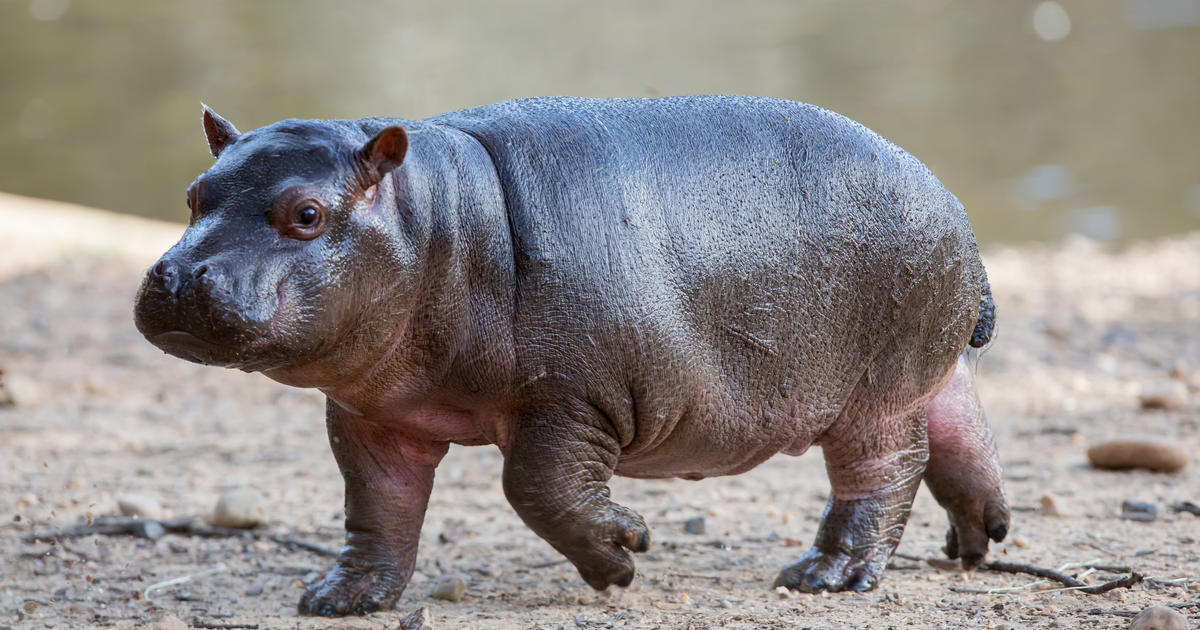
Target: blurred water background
1045,118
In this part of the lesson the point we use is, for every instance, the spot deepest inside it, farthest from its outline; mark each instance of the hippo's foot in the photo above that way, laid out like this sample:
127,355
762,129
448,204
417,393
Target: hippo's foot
972,525
834,571
963,472
353,589
601,556
556,476
874,481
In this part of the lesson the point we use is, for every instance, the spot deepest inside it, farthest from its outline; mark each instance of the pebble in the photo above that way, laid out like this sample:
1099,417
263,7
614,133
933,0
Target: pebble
451,588
1159,618
694,525
1167,395
240,508
139,505
1138,510
1054,506
419,619
255,590
1125,454
171,622
18,391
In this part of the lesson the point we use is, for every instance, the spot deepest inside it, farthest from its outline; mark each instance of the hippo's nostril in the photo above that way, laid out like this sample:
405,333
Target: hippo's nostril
200,271
160,269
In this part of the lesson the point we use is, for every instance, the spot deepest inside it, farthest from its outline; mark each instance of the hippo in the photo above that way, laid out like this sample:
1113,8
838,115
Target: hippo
668,287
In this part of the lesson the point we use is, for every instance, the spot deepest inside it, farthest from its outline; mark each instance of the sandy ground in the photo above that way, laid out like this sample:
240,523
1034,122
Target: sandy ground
99,413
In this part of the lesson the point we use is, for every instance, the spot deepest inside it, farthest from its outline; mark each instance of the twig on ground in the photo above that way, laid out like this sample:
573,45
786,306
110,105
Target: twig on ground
152,529
180,580
196,623
1070,583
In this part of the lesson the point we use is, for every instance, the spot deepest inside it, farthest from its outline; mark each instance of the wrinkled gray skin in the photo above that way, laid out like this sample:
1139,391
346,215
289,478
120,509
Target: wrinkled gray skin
676,287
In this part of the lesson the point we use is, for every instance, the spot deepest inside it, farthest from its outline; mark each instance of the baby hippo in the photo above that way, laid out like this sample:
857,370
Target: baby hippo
675,287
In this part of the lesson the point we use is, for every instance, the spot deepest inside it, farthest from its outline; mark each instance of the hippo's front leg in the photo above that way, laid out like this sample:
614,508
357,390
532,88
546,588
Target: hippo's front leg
874,476
388,477
556,473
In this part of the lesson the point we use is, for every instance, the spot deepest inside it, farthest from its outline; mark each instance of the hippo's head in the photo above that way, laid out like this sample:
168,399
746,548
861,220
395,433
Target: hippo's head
271,272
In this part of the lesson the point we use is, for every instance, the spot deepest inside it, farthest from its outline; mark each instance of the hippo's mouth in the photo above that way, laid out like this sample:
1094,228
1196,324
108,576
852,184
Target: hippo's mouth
185,345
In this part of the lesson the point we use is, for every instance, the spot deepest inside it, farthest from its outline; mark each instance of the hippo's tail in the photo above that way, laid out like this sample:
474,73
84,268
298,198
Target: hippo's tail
986,324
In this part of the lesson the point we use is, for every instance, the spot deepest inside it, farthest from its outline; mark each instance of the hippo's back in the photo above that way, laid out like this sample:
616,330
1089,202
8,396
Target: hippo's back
719,267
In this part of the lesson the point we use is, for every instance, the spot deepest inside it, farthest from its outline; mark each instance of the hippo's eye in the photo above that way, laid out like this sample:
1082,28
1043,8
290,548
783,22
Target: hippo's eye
307,216
303,219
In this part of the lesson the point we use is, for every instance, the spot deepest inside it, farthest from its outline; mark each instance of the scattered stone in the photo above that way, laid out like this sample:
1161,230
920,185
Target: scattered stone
1159,618
1167,395
784,592
488,570
311,576
171,622
240,508
18,391
451,588
139,505
454,531
255,591
1138,511
1126,454
1054,506
183,595
419,619
1058,326
1180,371
694,525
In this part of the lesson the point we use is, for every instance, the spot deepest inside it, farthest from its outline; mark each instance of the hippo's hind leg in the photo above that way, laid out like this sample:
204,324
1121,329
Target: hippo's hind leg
875,457
964,471
556,473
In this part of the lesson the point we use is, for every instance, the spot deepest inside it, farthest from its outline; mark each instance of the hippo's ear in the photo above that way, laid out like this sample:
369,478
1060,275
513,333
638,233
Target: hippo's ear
220,132
381,154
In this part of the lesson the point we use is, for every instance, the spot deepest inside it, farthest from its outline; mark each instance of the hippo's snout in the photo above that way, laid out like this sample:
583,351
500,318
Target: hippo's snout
200,312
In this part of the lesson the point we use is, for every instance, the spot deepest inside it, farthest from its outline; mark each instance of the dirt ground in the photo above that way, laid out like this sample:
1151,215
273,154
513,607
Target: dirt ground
99,414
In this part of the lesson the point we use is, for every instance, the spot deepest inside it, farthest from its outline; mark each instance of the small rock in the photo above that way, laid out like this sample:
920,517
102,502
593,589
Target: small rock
451,588
1168,395
183,595
1180,371
240,508
488,570
1138,510
149,529
694,525
1159,618
139,505
18,391
1054,506
419,619
784,592
311,576
255,590
1058,326
171,622
1125,454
